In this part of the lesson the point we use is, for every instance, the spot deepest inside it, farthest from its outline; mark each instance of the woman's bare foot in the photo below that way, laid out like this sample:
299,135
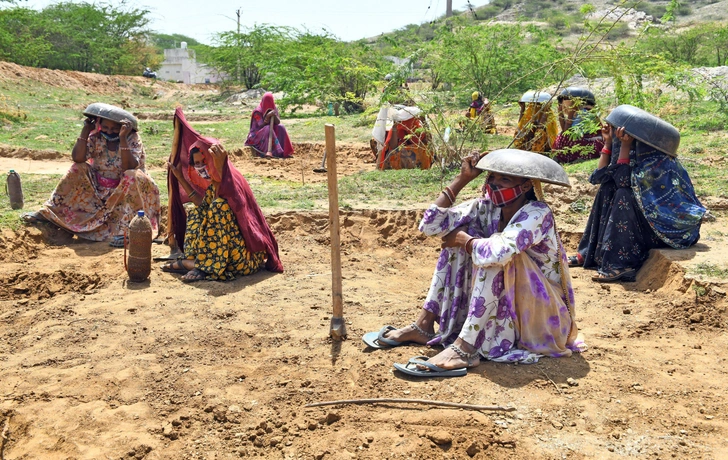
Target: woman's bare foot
421,331
450,359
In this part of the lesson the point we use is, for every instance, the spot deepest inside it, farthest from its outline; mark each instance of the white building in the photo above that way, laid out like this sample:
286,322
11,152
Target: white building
180,65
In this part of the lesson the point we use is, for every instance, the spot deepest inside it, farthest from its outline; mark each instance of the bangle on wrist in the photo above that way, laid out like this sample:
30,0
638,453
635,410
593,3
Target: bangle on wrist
191,194
469,243
83,139
606,151
450,194
623,161
448,197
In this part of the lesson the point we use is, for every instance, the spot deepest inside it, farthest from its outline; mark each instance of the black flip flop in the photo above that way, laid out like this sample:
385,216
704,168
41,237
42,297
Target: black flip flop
199,275
170,268
611,276
33,218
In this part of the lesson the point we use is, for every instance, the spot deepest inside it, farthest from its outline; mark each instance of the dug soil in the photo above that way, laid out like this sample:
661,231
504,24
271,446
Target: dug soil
93,366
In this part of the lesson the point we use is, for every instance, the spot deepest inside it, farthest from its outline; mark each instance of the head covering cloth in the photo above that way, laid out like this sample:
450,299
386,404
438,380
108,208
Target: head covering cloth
232,186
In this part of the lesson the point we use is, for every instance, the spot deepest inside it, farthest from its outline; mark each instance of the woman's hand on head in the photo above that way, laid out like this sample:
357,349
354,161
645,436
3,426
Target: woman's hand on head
622,135
219,156
176,170
468,170
606,133
126,128
89,124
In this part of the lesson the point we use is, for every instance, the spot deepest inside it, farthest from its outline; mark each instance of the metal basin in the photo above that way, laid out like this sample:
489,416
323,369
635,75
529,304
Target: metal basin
521,163
537,97
646,128
576,92
110,112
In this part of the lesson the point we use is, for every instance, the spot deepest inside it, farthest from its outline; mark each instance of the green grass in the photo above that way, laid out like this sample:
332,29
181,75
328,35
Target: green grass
708,269
36,190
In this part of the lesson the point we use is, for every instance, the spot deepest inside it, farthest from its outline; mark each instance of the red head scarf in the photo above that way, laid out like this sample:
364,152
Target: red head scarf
232,186
266,103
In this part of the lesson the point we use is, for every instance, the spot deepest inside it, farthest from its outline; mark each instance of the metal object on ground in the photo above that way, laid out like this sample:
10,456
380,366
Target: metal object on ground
576,92
337,331
110,112
646,128
537,97
521,163
322,168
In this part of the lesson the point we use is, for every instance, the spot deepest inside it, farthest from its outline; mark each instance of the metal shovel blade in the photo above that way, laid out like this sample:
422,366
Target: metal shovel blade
337,331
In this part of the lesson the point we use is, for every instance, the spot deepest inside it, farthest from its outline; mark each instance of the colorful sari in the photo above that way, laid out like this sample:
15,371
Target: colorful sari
649,203
533,135
575,144
260,131
96,199
509,298
229,222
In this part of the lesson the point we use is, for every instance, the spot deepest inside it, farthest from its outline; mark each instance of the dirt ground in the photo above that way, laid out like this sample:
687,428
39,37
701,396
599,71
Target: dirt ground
95,367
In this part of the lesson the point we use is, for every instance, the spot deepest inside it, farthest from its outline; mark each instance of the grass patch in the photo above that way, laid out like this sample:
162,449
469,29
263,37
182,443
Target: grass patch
36,190
711,270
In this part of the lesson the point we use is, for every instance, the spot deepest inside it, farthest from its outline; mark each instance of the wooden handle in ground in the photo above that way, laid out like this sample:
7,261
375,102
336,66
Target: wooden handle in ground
270,135
334,222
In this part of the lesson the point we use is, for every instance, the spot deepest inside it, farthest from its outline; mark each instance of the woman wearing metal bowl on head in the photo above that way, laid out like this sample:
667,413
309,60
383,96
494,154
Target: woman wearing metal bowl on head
501,288
645,199
107,183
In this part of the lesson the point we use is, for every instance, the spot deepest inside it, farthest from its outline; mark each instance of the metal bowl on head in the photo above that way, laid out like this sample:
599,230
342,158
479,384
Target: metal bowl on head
535,97
646,128
110,112
521,163
576,92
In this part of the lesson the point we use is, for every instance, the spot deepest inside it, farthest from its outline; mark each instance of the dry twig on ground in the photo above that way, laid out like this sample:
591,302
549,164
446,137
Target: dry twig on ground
412,401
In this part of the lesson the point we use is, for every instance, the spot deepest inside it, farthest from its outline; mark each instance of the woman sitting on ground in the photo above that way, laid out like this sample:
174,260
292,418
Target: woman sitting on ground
645,199
501,289
267,135
226,234
580,137
480,110
537,123
107,183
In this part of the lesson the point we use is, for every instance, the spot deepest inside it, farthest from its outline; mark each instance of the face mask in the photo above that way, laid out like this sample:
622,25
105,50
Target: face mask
503,196
202,171
109,137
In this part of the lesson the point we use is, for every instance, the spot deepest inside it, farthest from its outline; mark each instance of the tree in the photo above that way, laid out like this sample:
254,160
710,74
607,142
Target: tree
22,39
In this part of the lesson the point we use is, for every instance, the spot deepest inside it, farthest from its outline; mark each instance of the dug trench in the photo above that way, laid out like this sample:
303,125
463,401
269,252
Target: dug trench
93,366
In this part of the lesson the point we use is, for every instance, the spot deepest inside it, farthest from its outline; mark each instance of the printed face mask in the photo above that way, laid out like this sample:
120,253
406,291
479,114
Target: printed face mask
503,196
202,171
109,137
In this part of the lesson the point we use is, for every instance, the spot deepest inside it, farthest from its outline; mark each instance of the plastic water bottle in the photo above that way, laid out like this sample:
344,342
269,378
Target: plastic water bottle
14,189
139,263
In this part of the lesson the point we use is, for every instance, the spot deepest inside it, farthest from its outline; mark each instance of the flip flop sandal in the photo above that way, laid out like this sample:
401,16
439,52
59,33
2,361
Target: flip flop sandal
174,267
575,261
117,241
628,274
432,371
33,218
378,341
197,275
173,256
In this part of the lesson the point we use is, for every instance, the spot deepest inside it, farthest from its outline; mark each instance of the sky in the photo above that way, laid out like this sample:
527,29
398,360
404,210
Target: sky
346,19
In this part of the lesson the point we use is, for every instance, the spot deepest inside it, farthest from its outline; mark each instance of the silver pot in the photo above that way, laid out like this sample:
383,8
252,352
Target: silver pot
646,128
110,112
521,163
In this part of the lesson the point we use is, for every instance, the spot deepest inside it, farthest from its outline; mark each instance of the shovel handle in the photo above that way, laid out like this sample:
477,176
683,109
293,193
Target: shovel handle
336,294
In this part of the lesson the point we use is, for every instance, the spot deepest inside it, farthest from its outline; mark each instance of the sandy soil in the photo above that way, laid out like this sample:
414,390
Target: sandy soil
95,367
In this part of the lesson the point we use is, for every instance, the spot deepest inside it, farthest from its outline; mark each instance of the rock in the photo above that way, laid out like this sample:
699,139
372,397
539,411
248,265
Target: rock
473,449
234,409
572,382
627,311
275,440
440,438
312,426
331,417
556,424
696,318
319,455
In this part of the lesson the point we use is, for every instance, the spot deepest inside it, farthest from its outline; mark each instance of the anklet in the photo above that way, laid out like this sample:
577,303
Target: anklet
422,331
463,354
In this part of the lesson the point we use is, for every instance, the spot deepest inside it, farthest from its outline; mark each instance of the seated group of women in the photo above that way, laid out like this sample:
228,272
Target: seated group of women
501,288
570,136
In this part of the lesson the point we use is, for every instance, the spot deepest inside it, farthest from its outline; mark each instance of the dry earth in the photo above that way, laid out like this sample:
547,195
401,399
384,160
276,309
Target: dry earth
95,367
